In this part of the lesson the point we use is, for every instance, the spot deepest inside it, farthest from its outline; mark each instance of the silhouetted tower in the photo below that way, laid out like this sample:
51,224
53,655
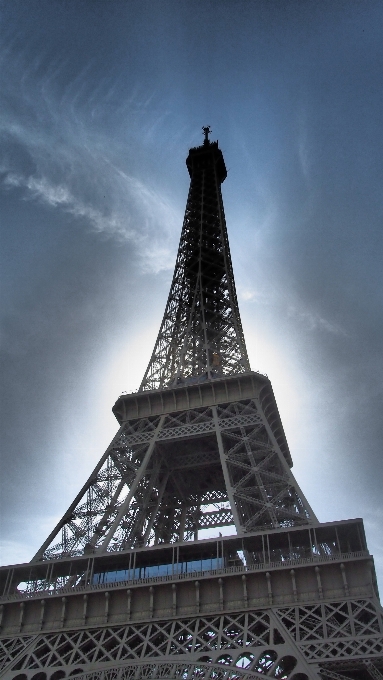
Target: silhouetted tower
134,581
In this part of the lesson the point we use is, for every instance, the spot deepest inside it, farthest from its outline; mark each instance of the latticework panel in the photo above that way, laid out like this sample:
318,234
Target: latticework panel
201,334
165,478
10,648
336,630
277,642
265,492
250,643
169,670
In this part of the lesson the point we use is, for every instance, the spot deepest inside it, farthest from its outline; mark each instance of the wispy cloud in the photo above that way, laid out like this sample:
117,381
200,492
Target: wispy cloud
293,307
249,294
59,196
313,320
57,154
155,210
304,148
106,200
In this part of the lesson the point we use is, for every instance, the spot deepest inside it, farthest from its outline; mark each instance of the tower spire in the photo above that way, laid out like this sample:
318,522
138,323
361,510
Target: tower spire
201,334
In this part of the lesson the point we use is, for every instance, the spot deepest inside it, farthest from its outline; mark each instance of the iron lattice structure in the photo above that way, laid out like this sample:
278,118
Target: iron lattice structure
167,477
131,583
201,334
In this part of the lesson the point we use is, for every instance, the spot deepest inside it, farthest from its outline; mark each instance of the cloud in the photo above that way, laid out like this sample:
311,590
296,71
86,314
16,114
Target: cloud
247,295
133,211
304,150
60,154
59,196
313,320
293,308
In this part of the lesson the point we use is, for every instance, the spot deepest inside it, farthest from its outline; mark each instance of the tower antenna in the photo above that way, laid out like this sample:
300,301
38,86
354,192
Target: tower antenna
207,131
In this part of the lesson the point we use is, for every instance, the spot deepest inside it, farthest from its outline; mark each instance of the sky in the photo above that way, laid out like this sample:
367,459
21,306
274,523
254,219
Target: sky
100,101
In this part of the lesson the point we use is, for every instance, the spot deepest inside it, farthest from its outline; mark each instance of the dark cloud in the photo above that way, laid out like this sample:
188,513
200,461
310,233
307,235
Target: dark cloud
100,102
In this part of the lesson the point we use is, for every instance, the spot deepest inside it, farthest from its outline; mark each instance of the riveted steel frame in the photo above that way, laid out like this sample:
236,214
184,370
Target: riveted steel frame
200,447
317,619
167,476
201,333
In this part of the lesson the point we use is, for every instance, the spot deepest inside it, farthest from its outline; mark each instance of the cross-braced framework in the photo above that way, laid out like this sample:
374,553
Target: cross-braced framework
201,334
295,643
255,642
167,477
125,589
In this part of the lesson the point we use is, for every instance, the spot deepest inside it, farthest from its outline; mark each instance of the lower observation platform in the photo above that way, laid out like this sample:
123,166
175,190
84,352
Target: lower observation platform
300,599
276,567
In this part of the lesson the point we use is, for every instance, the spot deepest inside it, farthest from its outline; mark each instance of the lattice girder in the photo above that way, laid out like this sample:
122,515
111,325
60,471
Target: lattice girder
247,644
272,641
124,588
201,333
156,482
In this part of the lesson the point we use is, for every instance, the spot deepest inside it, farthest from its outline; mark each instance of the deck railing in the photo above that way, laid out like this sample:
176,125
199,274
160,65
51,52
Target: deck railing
54,590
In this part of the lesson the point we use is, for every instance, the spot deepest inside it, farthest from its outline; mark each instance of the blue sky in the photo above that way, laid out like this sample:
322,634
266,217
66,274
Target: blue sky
100,102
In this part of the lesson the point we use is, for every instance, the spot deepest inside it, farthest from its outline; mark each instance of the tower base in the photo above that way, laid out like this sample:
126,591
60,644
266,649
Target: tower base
196,610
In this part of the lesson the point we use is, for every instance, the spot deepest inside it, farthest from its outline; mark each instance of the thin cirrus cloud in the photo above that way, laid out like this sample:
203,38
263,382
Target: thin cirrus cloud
59,196
312,320
294,308
56,157
62,166
141,211
133,211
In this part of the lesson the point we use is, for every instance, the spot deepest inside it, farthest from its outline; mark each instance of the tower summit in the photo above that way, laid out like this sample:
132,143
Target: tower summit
137,580
201,334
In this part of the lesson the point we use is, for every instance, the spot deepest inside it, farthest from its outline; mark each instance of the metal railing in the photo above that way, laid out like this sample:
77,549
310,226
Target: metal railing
53,590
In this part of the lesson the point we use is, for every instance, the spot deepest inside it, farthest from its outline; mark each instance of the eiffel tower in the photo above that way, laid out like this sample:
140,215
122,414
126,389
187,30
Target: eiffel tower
137,580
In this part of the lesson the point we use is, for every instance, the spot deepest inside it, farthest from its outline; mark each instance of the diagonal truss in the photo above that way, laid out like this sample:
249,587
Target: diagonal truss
222,646
305,642
200,447
201,334
165,478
